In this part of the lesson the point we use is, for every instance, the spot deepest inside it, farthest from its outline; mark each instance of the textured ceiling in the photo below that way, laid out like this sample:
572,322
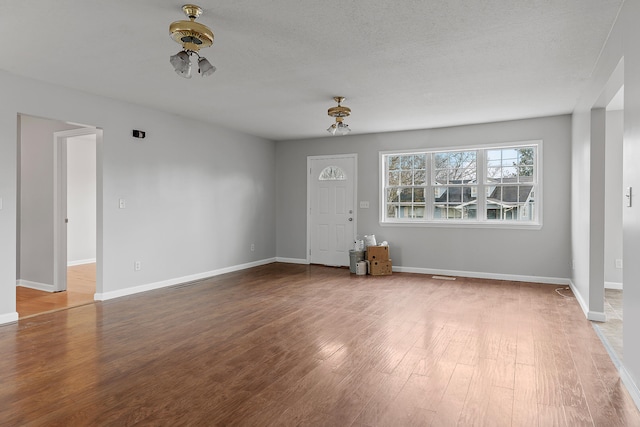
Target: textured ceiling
402,65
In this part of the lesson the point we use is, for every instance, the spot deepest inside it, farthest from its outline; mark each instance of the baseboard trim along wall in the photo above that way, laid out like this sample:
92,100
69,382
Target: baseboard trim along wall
292,260
8,318
103,296
626,378
596,316
632,387
613,285
35,285
81,262
482,275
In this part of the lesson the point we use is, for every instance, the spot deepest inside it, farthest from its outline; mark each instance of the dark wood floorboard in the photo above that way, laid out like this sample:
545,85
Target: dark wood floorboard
309,345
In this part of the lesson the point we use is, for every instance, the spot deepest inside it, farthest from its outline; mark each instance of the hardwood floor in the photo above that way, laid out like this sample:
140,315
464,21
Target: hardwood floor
81,286
309,345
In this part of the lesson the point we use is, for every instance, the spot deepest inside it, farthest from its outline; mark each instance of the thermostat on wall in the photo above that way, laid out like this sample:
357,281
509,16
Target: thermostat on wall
138,133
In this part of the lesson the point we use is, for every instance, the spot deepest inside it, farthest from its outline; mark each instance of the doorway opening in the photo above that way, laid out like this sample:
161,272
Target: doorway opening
59,226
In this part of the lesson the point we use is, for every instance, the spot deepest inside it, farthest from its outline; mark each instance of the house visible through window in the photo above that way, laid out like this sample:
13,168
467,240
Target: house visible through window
476,185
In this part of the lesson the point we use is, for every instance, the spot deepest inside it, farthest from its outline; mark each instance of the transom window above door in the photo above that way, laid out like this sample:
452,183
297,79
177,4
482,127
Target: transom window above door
332,173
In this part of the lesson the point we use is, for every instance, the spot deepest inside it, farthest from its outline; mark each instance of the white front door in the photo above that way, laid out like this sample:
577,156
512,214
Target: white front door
331,214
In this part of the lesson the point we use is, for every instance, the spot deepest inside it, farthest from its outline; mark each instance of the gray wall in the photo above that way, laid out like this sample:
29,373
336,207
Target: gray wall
36,198
607,77
536,253
197,195
81,198
613,199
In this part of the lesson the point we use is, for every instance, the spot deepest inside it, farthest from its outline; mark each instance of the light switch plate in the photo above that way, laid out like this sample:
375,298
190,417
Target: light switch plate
364,205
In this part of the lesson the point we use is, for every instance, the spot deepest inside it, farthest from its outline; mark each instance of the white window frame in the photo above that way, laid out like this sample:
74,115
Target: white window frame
481,220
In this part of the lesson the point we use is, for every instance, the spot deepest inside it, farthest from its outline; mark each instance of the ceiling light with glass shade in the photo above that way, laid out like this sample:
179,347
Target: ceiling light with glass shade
193,36
339,113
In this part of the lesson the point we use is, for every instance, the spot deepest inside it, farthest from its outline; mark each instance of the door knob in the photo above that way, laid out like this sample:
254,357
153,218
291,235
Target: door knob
350,219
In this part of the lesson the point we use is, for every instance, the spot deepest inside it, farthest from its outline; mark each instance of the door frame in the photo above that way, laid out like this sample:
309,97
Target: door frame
310,181
60,205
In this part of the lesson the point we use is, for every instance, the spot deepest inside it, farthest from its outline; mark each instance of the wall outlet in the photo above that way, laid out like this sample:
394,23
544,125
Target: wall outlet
618,263
0,203
122,204
573,264
137,266
253,247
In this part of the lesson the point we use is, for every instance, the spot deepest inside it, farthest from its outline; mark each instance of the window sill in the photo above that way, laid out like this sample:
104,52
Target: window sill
464,224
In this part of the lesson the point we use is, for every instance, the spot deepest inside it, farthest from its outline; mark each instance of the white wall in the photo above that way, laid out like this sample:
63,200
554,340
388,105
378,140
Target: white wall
619,64
538,254
197,195
36,198
81,199
613,199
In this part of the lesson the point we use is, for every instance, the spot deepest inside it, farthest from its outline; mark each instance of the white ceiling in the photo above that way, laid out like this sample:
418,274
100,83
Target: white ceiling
408,64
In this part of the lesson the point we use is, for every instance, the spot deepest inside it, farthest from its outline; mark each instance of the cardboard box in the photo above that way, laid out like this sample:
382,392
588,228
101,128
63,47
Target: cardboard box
380,268
377,253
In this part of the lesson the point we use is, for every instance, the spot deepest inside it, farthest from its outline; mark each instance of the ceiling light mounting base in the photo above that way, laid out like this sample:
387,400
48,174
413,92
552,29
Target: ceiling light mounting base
192,11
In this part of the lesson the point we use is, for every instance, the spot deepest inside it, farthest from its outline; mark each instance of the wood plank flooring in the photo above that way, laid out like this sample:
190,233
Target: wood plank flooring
309,345
81,286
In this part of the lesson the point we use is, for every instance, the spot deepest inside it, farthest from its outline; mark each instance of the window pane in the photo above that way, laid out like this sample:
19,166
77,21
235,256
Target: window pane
394,162
420,161
406,195
392,211
407,162
418,195
455,202
526,156
420,177
456,167
394,178
406,178
393,194
510,202
510,165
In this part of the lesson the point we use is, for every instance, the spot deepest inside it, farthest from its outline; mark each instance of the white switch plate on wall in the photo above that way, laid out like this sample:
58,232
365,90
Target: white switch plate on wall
618,263
364,205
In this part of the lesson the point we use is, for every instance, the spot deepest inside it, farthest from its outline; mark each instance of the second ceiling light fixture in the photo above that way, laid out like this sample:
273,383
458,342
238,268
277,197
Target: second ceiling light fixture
339,113
192,36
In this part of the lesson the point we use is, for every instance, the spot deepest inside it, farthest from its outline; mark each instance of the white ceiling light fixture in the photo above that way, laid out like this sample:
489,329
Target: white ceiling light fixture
192,36
339,113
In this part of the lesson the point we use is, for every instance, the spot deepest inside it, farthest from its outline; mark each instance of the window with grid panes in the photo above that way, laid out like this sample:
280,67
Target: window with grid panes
474,185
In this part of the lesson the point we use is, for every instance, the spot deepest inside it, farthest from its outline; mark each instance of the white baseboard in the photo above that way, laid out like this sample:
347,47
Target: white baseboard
596,316
292,260
103,296
632,387
613,285
8,318
481,275
35,285
626,378
81,262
